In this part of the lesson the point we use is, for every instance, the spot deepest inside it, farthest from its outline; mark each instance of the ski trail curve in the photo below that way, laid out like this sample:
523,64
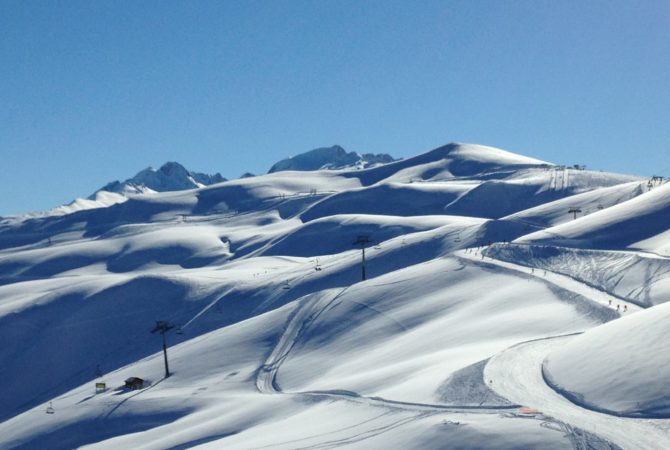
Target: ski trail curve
308,310
562,281
516,374
306,313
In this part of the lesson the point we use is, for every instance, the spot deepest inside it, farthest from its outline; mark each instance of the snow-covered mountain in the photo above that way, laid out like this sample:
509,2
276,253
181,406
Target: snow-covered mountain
332,158
489,314
171,176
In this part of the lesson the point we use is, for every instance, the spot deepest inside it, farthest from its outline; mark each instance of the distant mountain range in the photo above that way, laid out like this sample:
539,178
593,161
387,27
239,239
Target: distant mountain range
172,176
332,158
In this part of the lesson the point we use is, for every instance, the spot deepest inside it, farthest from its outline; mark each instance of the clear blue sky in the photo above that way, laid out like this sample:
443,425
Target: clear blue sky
92,91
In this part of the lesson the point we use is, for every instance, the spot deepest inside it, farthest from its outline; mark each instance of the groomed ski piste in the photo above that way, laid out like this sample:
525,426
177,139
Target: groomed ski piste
490,316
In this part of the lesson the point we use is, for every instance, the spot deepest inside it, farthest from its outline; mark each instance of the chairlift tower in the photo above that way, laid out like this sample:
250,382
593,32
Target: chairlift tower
163,326
655,180
362,240
574,212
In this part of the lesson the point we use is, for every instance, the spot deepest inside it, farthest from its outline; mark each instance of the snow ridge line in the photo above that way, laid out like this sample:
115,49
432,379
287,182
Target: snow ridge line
586,405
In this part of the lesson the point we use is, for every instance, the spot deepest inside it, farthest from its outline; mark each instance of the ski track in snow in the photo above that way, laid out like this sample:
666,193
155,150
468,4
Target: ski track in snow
306,313
309,309
516,374
562,281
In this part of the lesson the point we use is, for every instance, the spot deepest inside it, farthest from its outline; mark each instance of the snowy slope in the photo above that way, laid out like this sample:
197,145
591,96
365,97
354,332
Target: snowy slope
208,377
450,161
100,199
170,176
621,248
421,328
210,402
639,220
415,199
558,212
282,344
616,368
638,277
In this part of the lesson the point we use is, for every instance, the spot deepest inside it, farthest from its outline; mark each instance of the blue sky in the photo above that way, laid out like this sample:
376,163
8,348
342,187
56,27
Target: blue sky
96,91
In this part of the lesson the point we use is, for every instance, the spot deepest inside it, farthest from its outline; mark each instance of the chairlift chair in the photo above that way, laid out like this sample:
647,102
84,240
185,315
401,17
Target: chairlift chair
286,285
179,330
50,409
